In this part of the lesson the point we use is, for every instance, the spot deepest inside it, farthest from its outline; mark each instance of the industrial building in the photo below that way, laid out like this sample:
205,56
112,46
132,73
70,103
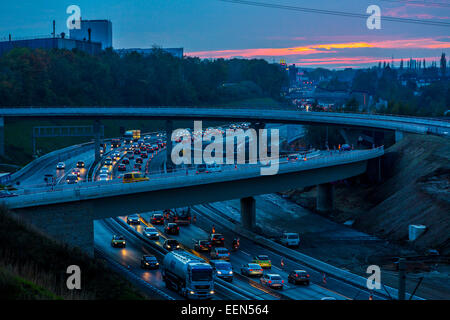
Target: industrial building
176,52
96,30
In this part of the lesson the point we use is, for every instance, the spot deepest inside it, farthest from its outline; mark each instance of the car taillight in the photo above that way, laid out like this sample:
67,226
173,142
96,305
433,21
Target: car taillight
307,275
282,281
251,270
178,228
270,281
296,275
222,239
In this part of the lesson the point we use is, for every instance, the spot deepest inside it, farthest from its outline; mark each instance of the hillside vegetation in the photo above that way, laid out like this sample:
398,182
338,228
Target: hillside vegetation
33,266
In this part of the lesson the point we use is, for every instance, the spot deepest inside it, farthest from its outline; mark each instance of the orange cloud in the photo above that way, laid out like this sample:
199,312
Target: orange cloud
420,43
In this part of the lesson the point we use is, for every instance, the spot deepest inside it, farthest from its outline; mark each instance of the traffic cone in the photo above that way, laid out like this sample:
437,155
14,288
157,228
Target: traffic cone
324,279
371,297
282,263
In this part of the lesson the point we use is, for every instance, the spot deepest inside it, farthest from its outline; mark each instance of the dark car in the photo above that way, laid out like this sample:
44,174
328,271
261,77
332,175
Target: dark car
217,240
125,161
139,160
133,219
149,261
171,244
137,166
137,151
201,168
157,218
122,167
118,241
172,228
298,276
80,164
202,245
144,155
151,233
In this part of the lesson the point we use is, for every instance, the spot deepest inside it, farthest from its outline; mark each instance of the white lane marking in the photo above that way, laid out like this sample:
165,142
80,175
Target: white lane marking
246,253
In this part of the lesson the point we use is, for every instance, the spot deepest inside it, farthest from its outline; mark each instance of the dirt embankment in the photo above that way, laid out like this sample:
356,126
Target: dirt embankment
415,190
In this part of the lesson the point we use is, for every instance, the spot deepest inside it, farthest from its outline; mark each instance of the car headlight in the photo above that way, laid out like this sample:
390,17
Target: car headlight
191,292
219,272
146,263
168,246
211,292
231,272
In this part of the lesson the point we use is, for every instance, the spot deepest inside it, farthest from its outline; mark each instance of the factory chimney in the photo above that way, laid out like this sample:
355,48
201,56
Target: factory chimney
54,29
89,34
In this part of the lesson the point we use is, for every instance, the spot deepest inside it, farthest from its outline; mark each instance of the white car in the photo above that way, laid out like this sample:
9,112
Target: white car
151,233
104,170
60,166
103,177
290,239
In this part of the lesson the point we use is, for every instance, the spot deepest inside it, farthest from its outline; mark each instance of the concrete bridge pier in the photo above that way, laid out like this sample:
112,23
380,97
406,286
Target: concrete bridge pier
2,136
169,130
325,198
398,135
248,213
97,134
72,224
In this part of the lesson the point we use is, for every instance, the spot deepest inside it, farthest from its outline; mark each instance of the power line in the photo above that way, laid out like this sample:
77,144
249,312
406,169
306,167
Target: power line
337,13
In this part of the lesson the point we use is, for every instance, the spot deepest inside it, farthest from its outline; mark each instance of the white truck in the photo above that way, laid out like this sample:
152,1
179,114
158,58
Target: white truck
290,239
189,275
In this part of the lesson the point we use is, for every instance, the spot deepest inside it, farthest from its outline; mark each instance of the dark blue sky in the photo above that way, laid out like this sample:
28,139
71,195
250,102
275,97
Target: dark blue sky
211,28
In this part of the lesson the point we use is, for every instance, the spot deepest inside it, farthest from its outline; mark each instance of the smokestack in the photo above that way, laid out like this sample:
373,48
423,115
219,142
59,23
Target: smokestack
54,29
89,34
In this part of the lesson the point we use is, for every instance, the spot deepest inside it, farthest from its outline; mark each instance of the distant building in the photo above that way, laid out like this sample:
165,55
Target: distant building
176,52
101,31
51,43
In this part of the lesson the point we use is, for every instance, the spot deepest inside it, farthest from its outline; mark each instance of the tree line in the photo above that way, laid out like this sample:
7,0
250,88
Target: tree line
74,78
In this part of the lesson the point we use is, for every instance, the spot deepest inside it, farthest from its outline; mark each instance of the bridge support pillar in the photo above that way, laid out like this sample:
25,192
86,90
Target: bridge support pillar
72,224
97,139
169,130
248,213
325,197
2,136
398,135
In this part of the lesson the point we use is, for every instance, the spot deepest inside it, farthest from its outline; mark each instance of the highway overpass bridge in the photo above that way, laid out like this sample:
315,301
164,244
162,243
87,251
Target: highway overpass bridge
68,211
398,124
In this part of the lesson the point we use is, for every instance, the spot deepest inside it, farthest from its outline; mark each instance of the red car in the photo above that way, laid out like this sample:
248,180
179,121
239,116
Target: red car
157,218
122,167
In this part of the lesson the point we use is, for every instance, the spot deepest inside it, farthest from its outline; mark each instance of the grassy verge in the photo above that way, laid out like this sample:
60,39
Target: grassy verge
33,266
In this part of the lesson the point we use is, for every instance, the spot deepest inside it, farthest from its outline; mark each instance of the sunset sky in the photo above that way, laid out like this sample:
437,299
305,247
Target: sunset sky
212,28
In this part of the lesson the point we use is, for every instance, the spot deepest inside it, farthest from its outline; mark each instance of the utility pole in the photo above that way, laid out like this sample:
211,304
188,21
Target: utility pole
401,279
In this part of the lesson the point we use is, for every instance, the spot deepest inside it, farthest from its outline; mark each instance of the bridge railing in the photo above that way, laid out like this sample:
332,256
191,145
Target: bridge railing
324,158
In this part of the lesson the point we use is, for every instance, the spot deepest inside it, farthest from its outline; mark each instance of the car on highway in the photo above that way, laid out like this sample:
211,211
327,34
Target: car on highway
214,167
76,172
346,147
263,261
201,168
139,160
134,177
104,170
103,177
121,167
133,219
171,244
290,239
151,233
272,280
149,261
298,276
220,253
157,218
222,269
80,164
125,161
130,154
108,161
217,239
294,157
137,166
60,166
118,241
71,178
137,151
144,155
172,228
252,269
202,245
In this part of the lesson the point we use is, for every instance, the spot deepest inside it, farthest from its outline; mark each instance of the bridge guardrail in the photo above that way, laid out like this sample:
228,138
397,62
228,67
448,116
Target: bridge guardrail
99,188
